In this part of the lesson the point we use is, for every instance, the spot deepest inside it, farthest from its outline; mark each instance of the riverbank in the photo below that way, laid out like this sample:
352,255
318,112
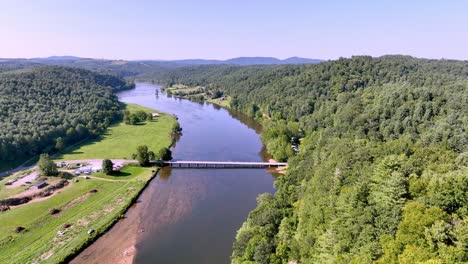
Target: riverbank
199,94
184,213
87,204
54,229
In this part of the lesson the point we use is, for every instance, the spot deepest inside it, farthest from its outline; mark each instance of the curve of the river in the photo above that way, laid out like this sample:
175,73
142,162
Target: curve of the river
189,215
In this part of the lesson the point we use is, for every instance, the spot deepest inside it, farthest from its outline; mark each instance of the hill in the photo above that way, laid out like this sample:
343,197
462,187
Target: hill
132,69
381,175
46,108
250,61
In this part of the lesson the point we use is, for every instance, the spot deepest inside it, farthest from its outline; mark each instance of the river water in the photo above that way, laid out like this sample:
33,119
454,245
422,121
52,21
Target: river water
190,215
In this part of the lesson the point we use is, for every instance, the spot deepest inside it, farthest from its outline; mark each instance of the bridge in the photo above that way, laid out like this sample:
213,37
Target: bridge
222,164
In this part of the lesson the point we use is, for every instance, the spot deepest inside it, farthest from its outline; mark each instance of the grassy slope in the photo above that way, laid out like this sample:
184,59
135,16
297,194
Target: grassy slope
79,208
121,140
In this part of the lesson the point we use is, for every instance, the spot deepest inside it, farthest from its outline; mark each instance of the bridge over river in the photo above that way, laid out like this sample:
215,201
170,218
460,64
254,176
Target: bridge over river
222,164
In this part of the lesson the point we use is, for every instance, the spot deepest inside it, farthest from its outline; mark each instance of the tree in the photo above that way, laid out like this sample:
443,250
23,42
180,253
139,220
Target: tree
107,166
151,155
149,117
141,115
165,154
59,144
142,155
133,119
176,128
46,166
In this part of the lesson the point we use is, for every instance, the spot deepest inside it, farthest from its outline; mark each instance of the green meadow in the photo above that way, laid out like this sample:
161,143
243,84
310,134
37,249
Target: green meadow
120,141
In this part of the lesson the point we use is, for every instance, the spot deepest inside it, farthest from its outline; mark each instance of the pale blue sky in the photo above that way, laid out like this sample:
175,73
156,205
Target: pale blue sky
217,29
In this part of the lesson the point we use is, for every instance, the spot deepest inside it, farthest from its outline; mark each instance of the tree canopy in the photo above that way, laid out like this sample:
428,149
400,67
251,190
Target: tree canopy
380,174
46,107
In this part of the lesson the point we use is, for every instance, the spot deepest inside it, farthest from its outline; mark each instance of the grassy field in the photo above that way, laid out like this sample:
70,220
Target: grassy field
121,140
226,103
40,243
184,91
79,207
179,88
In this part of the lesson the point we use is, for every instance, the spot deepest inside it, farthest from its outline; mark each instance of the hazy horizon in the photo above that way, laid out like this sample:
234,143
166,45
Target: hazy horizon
219,30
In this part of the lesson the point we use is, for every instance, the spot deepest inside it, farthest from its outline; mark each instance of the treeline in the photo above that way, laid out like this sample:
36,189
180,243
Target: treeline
381,175
46,108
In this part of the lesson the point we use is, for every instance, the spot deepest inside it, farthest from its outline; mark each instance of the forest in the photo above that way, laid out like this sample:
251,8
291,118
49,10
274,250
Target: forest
44,109
382,171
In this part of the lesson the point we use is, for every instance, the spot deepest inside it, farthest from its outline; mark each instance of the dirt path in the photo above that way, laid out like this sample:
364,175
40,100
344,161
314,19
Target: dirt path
26,178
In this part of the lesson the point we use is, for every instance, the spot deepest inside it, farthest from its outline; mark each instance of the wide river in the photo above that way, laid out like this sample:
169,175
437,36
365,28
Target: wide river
189,215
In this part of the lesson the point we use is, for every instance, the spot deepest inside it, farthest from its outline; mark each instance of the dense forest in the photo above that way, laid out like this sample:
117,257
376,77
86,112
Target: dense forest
46,108
382,171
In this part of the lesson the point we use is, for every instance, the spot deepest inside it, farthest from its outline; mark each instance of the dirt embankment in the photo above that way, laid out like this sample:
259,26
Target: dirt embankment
25,197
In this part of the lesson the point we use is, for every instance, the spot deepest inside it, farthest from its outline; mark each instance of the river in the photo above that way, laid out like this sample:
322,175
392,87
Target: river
189,215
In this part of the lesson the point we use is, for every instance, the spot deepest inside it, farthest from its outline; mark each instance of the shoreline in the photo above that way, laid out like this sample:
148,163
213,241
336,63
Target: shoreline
130,251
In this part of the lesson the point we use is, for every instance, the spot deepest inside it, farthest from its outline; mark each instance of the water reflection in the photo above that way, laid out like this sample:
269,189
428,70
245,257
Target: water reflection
192,215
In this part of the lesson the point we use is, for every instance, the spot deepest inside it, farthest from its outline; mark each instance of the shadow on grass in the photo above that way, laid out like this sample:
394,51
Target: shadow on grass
74,148
66,175
120,174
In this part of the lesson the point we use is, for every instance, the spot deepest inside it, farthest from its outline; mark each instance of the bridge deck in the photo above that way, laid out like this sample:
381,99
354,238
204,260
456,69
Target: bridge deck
223,164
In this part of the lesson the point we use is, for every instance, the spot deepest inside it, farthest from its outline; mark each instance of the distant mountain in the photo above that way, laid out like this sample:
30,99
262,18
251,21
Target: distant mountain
299,60
59,58
124,68
250,61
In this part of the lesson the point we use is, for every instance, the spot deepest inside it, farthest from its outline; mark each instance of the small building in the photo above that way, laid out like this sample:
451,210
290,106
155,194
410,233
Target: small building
155,114
40,184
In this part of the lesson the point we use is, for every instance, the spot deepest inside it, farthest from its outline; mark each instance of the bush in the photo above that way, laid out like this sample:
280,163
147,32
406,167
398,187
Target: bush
165,154
46,166
107,166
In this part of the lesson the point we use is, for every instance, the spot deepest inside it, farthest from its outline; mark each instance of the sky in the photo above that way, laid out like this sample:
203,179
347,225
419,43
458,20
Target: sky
221,29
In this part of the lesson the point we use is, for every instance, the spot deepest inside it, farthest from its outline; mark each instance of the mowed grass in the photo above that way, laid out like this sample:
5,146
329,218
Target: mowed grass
83,210
120,141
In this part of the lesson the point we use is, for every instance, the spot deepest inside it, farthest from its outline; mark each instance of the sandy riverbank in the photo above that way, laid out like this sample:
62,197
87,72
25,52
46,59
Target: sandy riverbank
112,248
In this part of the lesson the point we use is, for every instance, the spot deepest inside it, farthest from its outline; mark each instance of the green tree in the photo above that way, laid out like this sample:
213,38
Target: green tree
133,119
107,166
151,155
149,117
46,166
176,128
141,115
165,154
59,143
142,155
